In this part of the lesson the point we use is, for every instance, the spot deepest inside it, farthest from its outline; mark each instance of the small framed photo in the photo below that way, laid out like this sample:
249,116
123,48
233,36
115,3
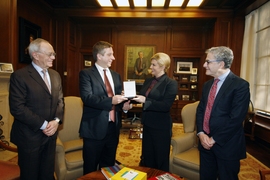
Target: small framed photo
183,86
185,97
87,63
193,78
6,68
193,86
184,67
194,71
184,79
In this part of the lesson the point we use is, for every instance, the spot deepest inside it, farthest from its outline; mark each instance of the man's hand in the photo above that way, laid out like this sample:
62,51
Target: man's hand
206,142
118,99
51,128
127,106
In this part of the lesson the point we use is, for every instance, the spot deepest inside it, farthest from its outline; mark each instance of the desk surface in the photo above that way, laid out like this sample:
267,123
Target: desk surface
97,175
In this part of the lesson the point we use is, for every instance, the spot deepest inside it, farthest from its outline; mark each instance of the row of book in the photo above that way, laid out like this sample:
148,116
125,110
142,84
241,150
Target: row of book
120,172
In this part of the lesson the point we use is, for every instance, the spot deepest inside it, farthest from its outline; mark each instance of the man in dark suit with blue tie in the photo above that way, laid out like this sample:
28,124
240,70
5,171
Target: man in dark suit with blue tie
36,102
101,120
220,117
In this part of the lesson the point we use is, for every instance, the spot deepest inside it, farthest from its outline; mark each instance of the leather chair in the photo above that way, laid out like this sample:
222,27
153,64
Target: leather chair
185,159
68,158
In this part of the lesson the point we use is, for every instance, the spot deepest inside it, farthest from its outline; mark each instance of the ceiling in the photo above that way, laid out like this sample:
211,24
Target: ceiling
206,4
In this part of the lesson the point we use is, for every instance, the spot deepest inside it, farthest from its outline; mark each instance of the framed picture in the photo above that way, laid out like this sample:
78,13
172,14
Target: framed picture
185,97
184,67
137,62
193,78
184,79
6,68
194,71
193,86
183,86
27,33
88,60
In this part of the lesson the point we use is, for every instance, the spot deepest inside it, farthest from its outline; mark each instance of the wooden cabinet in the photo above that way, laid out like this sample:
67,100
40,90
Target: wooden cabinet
186,74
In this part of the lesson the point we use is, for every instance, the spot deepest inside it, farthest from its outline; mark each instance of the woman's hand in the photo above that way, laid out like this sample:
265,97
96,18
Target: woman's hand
139,98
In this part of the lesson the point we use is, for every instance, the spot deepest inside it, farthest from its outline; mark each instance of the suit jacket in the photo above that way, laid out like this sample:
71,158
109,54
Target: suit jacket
156,109
31,104
227,115
97,104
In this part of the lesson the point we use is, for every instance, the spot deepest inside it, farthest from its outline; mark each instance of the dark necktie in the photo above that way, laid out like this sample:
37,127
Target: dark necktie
110,94
153,83
211,99
46,80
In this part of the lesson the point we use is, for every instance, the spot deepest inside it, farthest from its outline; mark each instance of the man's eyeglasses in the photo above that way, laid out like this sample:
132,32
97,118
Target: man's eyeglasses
50,55
210,61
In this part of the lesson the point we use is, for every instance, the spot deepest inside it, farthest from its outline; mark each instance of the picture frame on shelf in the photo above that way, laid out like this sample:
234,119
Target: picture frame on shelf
183,86
184,67
194,71
185,97
193,78
193,86
184,79
88,60
6,68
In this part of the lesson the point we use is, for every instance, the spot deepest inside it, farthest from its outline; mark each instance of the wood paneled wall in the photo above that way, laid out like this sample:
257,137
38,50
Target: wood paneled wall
178,37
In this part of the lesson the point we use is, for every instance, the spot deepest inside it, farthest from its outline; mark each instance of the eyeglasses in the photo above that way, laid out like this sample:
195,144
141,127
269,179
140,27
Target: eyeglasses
49,55
209,61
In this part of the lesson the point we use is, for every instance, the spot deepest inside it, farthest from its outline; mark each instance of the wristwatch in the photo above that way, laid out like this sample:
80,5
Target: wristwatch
57,120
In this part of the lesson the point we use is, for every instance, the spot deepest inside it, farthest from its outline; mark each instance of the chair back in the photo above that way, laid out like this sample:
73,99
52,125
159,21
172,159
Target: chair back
188,115
72,118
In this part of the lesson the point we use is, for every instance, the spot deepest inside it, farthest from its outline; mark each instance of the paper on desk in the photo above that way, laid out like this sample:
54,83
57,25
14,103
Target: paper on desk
130,89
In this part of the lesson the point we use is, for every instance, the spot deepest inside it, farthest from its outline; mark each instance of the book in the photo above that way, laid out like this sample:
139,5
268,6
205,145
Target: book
108,172
165,176
129,174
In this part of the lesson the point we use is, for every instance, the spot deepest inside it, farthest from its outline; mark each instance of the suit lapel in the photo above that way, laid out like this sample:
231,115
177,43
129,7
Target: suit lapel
36,76
98,77
227,82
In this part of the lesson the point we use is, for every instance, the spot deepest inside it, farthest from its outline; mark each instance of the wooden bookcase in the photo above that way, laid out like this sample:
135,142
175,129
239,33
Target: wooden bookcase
186,74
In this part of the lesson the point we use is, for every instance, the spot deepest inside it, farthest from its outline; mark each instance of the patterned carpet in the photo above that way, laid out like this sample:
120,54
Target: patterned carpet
129,151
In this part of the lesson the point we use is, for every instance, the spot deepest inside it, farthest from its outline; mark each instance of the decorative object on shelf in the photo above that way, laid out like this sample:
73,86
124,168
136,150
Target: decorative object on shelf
193,86
88,60
184,67
27,33
193,78
184,86
6,68
137,58
185,97
87,63
184,79
194,71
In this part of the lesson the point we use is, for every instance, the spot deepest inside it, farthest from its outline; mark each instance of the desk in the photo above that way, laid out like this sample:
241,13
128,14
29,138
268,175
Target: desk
97,175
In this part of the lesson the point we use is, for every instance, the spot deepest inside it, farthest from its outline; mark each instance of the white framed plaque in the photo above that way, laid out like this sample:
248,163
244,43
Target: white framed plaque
130,89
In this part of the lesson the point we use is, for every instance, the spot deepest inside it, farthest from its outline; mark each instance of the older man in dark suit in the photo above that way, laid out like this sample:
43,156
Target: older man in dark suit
102,110
220,115
36,102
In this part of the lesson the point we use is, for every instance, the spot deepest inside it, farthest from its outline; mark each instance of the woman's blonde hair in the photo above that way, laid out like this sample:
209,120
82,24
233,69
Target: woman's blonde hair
162,60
